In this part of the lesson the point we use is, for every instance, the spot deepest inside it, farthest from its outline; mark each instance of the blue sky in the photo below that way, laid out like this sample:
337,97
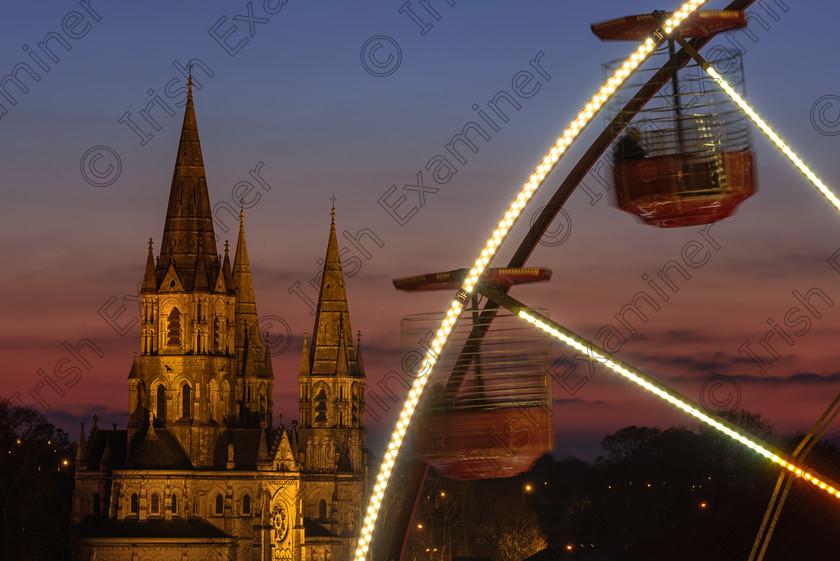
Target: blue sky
295,99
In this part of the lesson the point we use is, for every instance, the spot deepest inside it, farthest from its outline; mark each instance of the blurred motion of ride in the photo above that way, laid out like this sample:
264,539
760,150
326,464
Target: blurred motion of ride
486,412
686,158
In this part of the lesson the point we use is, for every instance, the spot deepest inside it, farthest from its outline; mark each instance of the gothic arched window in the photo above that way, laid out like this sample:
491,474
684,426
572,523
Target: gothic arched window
155,504
246,504
161,402
134,504
321,406
174,328
355,402
186,400
322,509
174,504
220,504
216,335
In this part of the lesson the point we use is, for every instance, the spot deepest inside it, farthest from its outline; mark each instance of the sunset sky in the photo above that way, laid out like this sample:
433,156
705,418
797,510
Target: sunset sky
314,101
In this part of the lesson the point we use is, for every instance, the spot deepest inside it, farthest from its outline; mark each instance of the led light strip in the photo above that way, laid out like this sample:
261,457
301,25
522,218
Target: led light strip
502,228
672,397
812,177
765,128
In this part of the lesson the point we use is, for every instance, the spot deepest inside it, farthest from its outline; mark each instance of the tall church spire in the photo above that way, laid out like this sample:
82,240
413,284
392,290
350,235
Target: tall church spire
149,280
189,222
246,337
332,333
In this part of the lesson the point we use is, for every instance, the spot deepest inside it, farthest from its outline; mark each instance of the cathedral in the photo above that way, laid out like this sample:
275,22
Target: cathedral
202,472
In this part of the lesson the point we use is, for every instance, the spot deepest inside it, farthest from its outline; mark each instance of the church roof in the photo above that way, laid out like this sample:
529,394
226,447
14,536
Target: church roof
344,465
157,449
188,230
312,529
246,447
99,440
332,338
192,527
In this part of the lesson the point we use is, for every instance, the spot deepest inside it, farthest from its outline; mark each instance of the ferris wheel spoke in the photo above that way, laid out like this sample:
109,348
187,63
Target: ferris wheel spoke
762,124
523,197
659,389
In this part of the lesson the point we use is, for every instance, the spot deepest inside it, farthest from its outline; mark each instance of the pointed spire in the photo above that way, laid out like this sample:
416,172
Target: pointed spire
136,373
332,310
149,278
189,222
227,271
81,448
360,364
263,459
201,281
246,335
269,370
304,357
341,366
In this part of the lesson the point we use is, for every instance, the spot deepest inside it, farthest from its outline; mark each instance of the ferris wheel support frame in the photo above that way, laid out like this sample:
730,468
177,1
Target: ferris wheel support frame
524,250
500,232
785,481
658,388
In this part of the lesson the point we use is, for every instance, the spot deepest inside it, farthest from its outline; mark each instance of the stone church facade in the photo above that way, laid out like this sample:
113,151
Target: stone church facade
201,472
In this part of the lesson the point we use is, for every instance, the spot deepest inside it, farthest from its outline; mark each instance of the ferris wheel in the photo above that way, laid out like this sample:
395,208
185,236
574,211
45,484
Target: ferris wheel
679,159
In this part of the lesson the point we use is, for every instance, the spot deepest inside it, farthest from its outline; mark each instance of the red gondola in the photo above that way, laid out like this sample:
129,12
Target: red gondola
486,412
686,158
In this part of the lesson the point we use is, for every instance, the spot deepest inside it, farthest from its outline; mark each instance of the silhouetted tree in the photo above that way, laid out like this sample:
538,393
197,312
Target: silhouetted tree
35,486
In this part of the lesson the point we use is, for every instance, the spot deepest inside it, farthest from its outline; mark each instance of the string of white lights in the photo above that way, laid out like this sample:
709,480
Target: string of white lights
499,234
765,128
672,397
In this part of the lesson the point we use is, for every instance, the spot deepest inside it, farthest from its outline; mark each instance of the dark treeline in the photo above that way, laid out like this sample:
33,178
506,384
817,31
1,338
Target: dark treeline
36,487
683,494
655,494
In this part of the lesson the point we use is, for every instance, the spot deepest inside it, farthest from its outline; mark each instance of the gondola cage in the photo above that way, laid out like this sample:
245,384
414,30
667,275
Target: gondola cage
486,410
685,159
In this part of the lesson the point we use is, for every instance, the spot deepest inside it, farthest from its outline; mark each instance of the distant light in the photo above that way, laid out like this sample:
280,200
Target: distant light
648,484
419,526
528,487
703,505
65,462
569,547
